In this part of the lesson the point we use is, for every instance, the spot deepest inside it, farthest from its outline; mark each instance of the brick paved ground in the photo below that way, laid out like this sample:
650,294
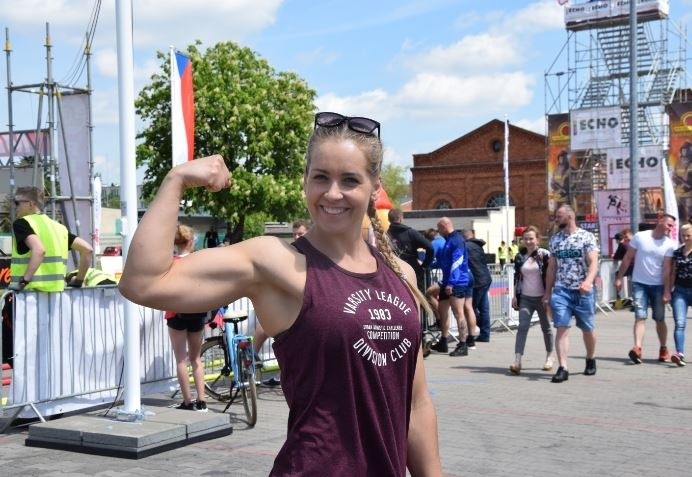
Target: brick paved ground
627,420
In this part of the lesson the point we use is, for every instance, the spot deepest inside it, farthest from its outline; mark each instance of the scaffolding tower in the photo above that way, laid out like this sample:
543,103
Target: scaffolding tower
43,146
592,70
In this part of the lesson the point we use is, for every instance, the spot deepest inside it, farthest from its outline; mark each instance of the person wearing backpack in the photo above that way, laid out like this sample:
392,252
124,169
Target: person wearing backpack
530,268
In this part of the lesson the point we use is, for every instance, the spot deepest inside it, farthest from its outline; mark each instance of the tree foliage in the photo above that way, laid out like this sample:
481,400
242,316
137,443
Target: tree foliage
258,119
394,182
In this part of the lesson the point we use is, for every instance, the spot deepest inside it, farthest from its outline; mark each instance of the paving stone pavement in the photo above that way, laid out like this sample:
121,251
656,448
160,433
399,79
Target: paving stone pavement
628,419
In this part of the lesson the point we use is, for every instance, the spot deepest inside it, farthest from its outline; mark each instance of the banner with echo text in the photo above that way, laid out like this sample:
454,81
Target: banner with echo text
648,167
595,128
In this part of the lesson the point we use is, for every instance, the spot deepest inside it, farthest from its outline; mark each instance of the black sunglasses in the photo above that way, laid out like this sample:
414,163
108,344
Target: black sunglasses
357,124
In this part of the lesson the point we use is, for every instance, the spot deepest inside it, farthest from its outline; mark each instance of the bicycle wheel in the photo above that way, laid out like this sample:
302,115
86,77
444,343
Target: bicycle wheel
217,370
246,381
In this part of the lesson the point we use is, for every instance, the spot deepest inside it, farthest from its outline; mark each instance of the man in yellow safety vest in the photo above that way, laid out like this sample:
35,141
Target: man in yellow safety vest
40,247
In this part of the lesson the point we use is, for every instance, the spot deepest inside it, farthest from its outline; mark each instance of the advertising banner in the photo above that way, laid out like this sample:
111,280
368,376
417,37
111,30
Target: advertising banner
596,128
558,161
648,167
588,12
613,215
25,143
73,165
680,156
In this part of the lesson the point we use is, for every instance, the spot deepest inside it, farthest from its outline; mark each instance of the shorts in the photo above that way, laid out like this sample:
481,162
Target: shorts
188,322
566,303
463,292
648,296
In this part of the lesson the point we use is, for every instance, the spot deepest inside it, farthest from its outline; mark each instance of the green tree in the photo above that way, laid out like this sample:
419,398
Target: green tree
258,119
395,183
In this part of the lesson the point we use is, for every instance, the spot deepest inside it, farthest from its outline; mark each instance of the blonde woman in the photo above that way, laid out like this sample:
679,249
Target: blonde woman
325,299
677,290
186,332
530,267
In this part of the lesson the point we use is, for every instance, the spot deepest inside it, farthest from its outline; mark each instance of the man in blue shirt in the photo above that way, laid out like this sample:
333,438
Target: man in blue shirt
457,283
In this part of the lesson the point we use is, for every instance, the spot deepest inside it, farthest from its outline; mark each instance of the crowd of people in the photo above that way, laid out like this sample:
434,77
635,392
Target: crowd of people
558,284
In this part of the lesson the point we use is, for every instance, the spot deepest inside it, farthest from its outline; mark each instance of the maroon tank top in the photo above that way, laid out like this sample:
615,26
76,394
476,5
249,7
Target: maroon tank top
347,368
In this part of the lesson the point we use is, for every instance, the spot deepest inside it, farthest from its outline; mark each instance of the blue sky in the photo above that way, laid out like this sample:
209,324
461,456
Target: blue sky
428,70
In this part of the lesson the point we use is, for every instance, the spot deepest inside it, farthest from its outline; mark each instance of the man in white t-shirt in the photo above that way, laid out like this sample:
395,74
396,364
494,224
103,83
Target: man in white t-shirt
648,250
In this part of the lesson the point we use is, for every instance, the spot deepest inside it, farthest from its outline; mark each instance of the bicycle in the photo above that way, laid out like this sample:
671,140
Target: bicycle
229,365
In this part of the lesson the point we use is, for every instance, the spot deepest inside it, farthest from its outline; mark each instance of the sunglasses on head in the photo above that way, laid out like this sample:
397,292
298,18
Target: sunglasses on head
357,124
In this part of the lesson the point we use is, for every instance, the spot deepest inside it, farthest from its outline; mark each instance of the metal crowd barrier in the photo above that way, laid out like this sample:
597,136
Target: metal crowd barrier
68,351
500,294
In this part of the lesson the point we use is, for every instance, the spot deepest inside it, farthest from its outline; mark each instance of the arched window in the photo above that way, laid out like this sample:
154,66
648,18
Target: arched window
498,200
443,204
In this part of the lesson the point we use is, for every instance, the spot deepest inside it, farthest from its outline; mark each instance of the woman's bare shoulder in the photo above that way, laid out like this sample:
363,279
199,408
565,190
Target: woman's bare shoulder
272,256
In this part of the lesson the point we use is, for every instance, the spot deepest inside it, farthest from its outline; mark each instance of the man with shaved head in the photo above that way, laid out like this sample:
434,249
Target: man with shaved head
457,284
572,269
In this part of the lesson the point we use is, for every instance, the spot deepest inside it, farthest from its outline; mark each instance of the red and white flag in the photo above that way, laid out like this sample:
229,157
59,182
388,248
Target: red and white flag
182,109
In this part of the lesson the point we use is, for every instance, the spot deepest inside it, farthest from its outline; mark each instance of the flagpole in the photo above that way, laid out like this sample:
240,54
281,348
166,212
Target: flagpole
131,409
634,131
505,166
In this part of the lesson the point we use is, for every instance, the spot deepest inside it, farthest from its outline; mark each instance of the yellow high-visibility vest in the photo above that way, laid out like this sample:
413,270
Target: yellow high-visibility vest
50,276
94,277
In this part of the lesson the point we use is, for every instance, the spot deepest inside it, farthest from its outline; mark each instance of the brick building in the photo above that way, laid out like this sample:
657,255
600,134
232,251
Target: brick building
468,173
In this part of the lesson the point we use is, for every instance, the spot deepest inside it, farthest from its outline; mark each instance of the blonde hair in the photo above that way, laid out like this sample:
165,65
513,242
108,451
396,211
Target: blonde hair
371,147
685,228
183,235
532,228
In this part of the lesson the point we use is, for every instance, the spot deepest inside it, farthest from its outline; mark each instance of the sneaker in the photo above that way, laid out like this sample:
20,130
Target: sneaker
460,350
561,375
185,407
440,346
663,354
201,406
548,365
482,339
515,368
470,342
590,369
678,358
272,382
635,355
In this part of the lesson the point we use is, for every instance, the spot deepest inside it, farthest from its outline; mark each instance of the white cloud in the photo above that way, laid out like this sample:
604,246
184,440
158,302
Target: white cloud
534,18
537,125
462,96
62,13
106,62
157,23
374,103
481,52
